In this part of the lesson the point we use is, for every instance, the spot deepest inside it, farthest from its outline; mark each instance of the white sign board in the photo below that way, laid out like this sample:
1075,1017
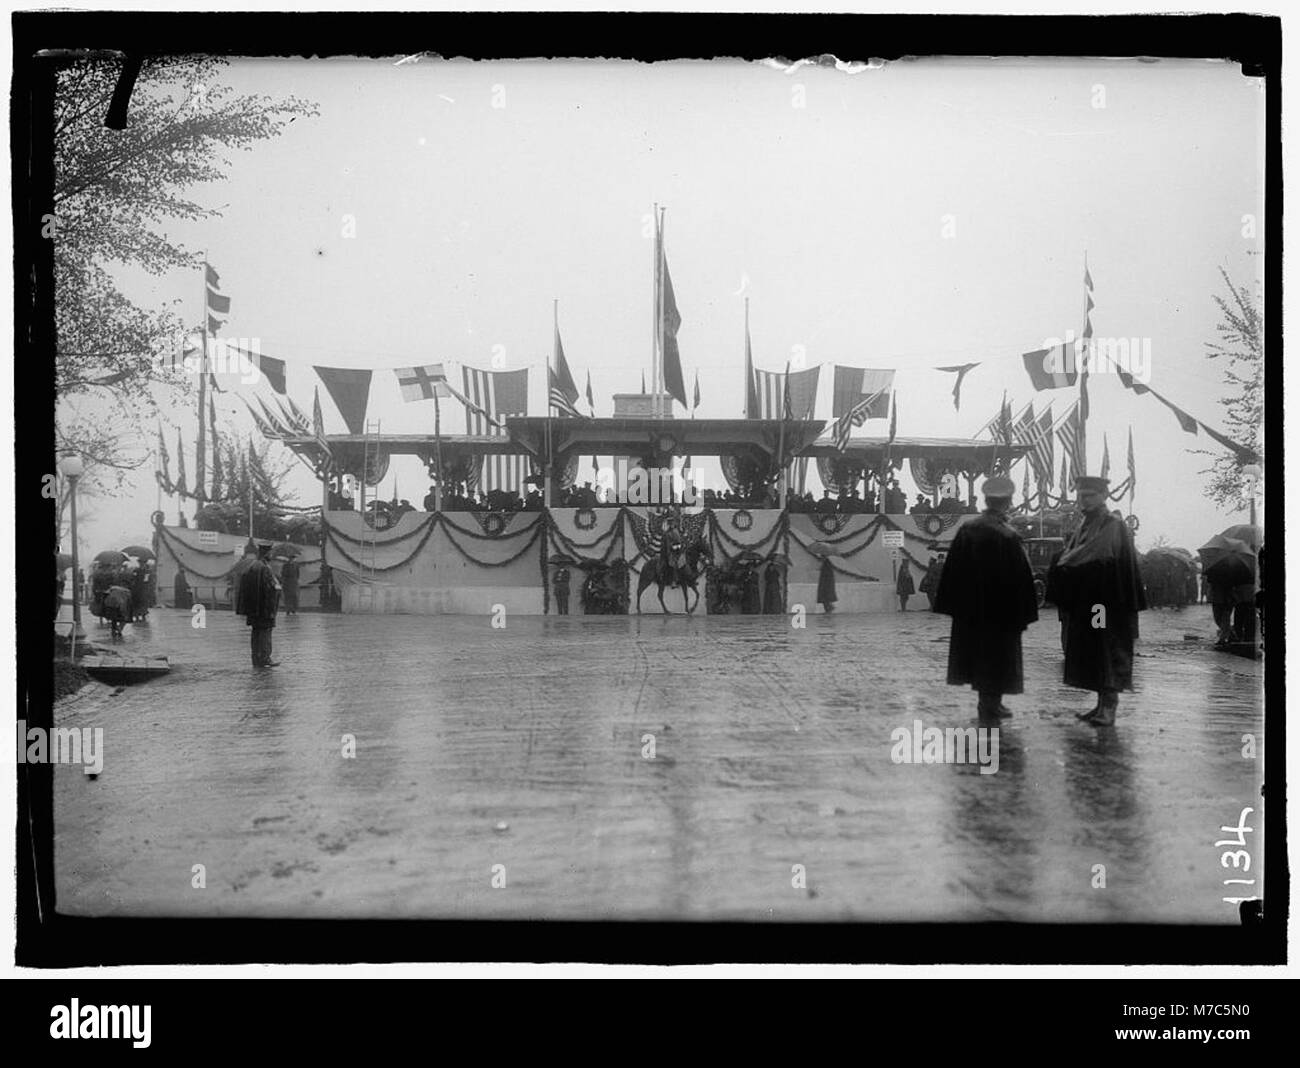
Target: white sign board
207,537
891,539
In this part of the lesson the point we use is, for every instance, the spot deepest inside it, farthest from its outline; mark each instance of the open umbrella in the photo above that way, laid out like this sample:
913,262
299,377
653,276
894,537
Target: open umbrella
1251,535
1228,561
140,552
110,556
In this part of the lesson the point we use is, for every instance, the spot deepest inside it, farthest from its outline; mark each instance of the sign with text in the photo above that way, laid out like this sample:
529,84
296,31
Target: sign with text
891,539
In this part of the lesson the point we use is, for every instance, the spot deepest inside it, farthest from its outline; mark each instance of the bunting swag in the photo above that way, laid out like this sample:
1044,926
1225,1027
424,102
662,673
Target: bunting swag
350,390
490,552
926,480
563,535
1244,454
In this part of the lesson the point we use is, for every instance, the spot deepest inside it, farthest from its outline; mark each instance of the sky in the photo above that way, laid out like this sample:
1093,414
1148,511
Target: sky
929,212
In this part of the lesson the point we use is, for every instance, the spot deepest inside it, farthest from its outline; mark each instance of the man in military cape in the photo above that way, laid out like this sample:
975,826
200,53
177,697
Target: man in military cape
1097,585
987,586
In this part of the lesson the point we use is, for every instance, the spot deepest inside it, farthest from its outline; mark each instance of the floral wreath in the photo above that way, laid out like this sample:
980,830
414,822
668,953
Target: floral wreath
1132,522
584,518
933,525
742,519
494,523
829,523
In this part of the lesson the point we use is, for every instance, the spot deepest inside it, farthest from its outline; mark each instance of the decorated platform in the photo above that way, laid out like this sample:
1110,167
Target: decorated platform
754,560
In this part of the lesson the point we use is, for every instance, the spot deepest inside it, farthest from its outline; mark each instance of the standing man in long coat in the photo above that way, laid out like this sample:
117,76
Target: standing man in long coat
289,575
259,597
1097,584
987,586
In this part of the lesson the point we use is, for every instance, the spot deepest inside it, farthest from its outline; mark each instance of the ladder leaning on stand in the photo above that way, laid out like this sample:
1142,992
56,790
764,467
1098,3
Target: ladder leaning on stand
369,550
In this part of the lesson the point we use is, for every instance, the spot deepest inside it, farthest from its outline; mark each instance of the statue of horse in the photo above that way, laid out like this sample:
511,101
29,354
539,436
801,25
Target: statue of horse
676,564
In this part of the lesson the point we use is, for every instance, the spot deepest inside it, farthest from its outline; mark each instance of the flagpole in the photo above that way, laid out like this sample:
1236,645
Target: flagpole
1083,415
749,371
437,451
199,465
659,319
780,449
654,315
548,468
251,476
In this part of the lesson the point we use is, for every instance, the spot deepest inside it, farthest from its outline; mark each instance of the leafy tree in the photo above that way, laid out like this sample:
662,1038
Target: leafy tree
115,191
245,472
1241,346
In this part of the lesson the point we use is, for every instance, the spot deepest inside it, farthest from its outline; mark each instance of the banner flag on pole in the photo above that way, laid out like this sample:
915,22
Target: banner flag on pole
853,384
349,388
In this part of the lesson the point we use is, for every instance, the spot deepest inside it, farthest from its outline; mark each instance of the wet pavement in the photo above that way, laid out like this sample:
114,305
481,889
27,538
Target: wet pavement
519,756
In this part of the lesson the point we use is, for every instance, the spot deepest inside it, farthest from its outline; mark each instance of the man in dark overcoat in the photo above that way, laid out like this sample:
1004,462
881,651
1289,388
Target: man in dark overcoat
987,586
259,598
1097,584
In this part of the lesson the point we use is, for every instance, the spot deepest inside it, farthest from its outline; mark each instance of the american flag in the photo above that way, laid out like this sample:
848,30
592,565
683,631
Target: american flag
1068,433
559,397
491,396
771,390
1037,434
855,416
265,428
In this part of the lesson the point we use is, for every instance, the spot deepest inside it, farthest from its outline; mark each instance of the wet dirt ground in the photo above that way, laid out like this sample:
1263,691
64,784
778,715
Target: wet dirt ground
504,773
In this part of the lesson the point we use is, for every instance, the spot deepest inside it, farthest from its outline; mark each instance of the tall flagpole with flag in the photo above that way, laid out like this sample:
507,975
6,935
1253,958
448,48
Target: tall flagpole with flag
437,451
654,319
780,448
199,462
1086,356
548,470
659,319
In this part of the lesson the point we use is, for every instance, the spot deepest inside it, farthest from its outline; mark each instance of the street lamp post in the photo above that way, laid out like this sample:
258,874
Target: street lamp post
72,468
1252,473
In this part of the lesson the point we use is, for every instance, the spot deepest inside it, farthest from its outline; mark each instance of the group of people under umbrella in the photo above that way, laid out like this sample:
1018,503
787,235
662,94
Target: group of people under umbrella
123,585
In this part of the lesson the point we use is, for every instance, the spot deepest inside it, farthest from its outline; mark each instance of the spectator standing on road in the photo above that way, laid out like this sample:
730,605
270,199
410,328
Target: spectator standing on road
562,584
289,575
259,597
904,586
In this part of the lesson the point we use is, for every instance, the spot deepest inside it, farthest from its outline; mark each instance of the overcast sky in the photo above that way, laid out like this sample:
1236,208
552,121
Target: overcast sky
930,212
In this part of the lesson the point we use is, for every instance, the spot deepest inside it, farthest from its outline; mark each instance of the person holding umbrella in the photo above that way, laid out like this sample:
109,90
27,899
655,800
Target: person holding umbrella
1230,567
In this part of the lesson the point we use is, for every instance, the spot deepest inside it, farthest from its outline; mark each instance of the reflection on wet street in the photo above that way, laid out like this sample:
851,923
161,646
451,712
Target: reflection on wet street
520,756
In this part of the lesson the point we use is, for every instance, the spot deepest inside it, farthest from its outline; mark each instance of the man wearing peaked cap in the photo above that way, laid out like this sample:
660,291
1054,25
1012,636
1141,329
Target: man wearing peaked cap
1096,585
987,586
999,488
